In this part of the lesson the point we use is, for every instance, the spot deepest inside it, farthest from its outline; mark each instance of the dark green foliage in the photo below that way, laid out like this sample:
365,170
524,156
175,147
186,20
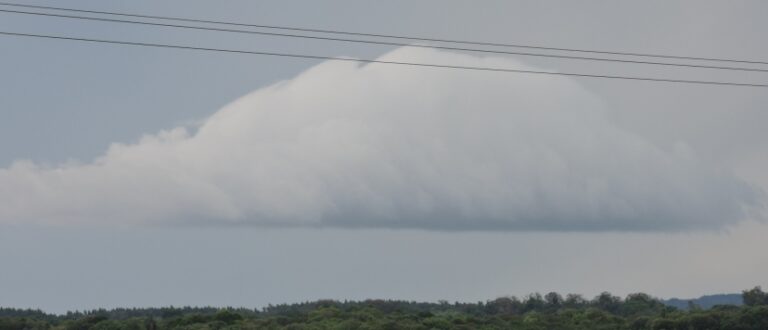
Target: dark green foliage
755,297
536,312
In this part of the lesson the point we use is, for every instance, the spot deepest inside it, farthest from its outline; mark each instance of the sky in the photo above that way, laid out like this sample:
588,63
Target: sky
149,177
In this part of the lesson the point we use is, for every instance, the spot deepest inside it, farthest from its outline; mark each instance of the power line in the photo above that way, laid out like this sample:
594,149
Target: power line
384,42
402,37
316,57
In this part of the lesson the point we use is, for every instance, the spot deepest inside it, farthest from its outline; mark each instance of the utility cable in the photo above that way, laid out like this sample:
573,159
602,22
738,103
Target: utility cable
402,37
445,66
385,42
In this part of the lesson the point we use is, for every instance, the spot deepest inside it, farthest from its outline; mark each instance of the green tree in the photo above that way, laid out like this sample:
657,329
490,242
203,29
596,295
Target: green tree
553,299
607,302
754,297
574,300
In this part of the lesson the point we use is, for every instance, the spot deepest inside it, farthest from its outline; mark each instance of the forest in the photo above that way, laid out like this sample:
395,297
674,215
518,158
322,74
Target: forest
540,312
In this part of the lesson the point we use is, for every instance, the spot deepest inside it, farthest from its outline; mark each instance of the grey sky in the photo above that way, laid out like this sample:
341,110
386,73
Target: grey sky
64,101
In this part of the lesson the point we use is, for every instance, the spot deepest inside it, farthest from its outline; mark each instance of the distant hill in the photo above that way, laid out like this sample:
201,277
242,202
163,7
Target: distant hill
706,302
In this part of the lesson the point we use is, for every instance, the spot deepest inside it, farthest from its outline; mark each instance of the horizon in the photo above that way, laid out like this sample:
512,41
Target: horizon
262,308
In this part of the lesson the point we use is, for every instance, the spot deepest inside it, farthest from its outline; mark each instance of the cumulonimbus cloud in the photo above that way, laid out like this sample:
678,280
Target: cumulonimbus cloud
387,146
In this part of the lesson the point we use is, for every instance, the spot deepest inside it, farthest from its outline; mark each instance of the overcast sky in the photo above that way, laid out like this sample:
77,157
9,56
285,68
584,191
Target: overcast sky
146,177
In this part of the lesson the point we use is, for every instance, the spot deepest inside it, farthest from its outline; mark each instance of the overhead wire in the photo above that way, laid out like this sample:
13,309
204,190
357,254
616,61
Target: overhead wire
392,36
413,64
385,42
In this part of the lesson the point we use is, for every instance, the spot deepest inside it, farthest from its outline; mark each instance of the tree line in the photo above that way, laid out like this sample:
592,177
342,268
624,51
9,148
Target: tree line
637,311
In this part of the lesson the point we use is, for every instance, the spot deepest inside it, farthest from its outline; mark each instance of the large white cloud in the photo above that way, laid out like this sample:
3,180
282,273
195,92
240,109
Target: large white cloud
388,146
